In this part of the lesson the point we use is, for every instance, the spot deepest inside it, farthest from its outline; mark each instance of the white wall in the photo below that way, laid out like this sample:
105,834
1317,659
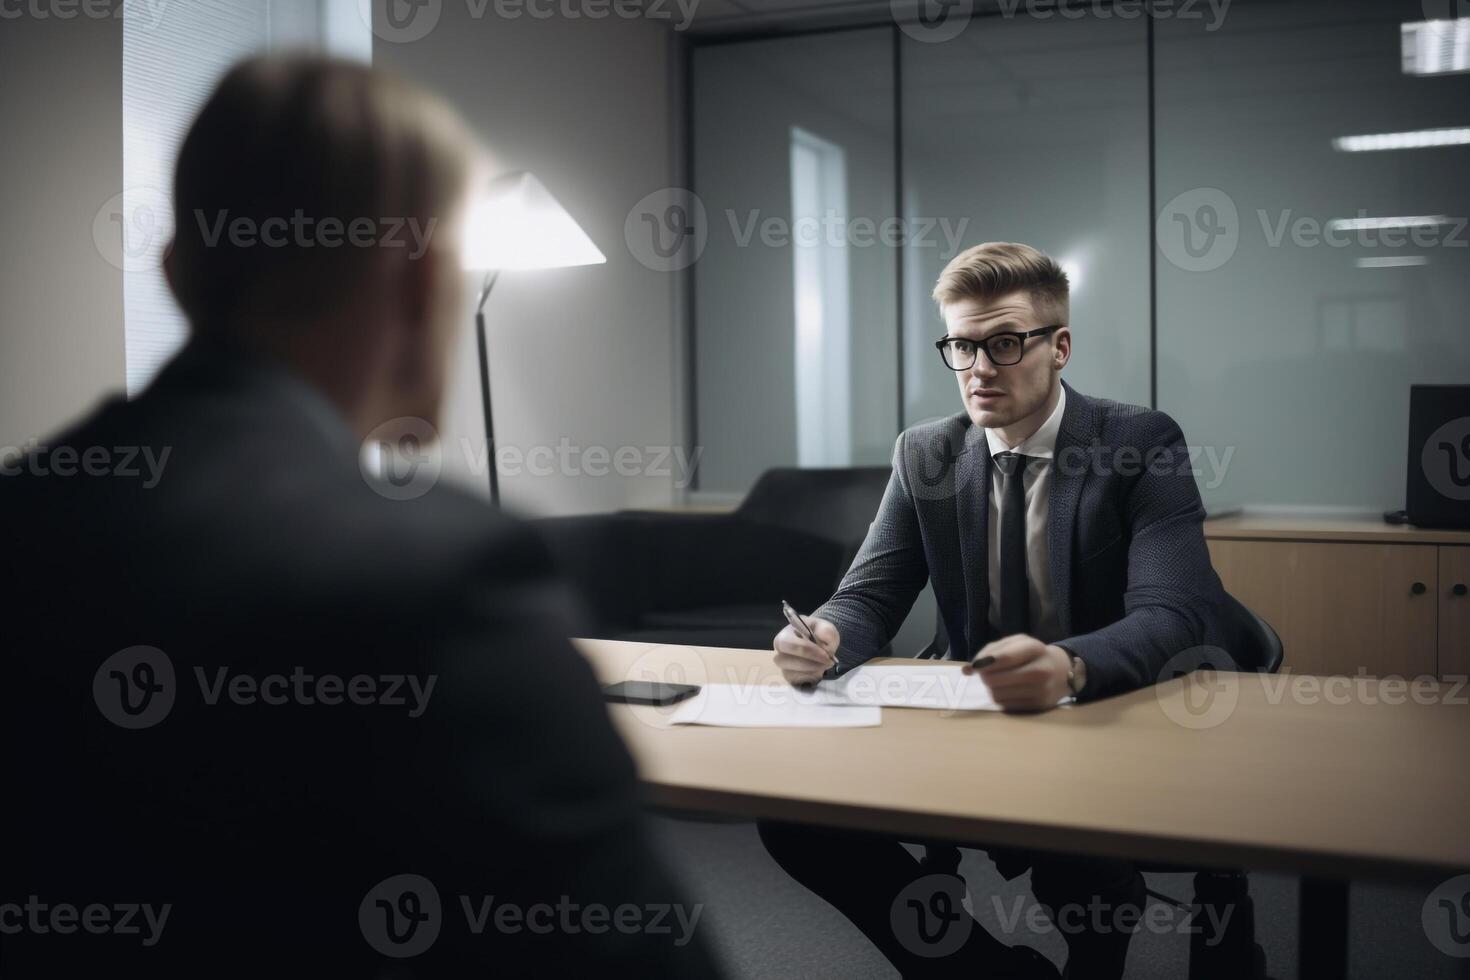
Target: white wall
585,354
61,303
62,337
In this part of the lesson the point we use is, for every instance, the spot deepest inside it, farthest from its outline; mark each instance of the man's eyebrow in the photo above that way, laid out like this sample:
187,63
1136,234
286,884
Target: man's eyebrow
1004,326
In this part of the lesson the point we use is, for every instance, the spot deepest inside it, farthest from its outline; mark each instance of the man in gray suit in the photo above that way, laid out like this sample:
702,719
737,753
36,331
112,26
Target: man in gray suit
1062,536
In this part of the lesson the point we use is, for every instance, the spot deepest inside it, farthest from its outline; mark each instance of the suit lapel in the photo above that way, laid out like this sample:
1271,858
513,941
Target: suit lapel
972,506
1069,469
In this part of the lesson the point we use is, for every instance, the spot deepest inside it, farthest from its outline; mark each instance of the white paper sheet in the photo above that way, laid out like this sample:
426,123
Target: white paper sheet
910,686
771,706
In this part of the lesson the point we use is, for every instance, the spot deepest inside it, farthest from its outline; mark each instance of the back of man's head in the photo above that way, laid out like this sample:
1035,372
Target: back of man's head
305,179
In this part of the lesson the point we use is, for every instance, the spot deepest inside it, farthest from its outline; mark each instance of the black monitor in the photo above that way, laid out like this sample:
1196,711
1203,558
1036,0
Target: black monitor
1439,456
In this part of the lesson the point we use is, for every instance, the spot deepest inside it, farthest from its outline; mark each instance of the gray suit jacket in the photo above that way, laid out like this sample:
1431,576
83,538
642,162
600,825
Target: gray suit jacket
1130,572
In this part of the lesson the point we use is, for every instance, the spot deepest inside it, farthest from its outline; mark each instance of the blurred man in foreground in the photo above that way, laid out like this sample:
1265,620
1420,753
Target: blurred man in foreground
262,718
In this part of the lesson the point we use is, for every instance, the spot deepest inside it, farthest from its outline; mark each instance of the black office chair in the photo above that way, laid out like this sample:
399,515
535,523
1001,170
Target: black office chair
938,647
1256,648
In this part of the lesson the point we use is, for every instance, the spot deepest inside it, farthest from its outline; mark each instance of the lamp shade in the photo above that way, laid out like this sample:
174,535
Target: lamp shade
517,224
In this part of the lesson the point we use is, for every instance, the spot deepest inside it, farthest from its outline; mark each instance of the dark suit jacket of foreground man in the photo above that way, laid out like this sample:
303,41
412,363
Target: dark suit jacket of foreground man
263,551
1130,573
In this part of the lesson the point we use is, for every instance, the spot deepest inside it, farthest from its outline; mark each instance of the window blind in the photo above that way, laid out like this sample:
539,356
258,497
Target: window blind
171,63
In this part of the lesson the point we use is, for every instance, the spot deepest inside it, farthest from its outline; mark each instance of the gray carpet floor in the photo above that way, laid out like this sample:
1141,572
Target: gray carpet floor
764,926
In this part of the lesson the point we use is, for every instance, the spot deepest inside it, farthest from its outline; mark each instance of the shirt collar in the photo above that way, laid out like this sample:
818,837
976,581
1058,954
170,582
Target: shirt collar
1042,443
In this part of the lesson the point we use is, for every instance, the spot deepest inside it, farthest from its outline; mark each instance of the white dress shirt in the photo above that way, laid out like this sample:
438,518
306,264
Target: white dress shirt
1040,446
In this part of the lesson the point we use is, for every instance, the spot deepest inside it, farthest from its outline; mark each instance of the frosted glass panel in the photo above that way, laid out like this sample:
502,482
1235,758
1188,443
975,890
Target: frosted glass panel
1032,130
1302,288
821,274
170,66
795,289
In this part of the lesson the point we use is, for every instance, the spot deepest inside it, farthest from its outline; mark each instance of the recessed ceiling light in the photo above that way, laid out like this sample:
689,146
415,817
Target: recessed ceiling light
1392,261
1415,140
1436,47
1362,223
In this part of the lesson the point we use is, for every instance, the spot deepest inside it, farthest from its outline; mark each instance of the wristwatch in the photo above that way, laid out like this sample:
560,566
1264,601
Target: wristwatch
1076,675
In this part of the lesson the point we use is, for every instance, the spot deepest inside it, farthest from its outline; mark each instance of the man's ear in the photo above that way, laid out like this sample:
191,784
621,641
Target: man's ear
1061,348
416,275
172,276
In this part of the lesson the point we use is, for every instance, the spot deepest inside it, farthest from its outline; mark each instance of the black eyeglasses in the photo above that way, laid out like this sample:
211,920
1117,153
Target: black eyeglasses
1003,349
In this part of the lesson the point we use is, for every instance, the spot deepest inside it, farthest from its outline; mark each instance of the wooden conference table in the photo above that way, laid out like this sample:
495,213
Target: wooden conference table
1332,779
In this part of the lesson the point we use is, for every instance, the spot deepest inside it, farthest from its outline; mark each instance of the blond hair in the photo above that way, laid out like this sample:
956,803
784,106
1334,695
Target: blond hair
995,269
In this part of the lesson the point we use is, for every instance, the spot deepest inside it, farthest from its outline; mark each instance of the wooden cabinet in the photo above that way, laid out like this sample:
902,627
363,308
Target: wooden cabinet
1351,596
1340,608
1454,611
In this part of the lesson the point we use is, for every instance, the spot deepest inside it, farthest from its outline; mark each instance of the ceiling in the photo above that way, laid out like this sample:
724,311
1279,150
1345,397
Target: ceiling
725,16
714,17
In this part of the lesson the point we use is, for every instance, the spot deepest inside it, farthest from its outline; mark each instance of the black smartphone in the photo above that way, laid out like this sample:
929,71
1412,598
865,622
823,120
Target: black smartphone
648,692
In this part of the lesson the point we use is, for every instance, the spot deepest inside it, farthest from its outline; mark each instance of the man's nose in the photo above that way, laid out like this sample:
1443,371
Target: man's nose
983,369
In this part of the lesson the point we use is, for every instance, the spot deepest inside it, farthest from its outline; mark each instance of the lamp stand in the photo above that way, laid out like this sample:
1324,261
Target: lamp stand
489,284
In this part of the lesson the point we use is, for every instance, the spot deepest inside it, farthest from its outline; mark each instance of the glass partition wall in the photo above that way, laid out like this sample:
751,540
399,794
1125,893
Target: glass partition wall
1262,207
795,286
1306,276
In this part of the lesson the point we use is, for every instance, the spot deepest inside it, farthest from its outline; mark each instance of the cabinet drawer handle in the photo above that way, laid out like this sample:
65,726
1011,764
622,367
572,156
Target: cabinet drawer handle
1418,588
1459,588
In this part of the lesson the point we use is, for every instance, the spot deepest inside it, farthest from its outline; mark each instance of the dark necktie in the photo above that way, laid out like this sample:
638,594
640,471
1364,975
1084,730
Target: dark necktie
1015,594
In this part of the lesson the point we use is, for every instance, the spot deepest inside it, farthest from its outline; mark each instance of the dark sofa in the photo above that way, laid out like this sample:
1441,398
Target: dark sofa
718,579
